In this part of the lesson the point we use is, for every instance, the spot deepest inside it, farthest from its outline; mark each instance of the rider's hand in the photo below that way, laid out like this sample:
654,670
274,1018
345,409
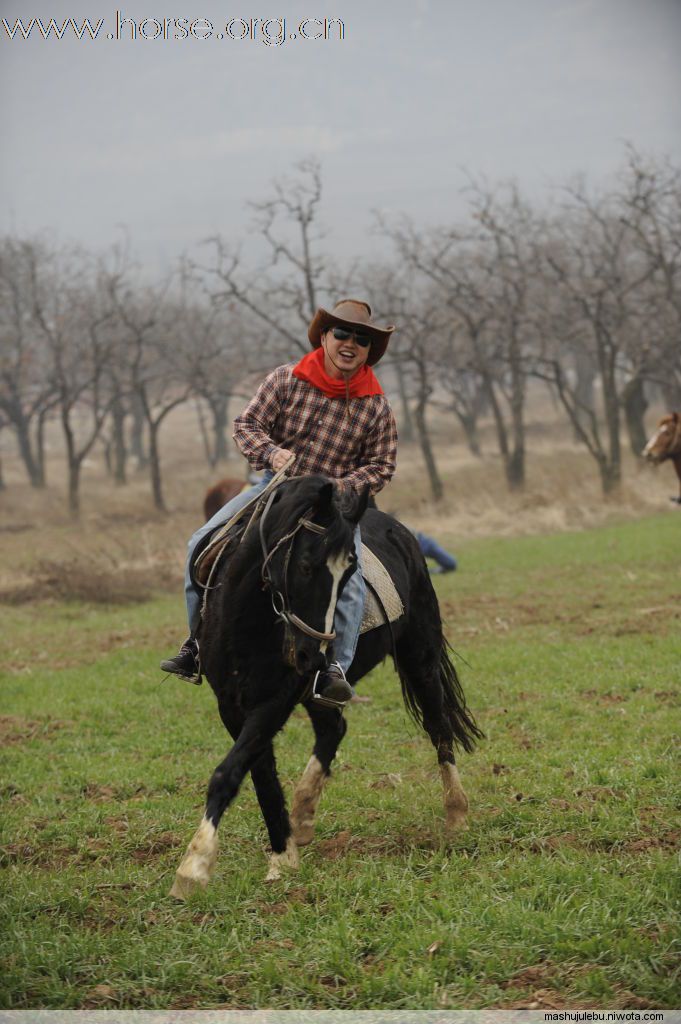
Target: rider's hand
280,458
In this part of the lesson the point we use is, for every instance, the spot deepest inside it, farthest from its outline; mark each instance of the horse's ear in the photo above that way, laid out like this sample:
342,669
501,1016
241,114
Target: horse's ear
325,497
359,507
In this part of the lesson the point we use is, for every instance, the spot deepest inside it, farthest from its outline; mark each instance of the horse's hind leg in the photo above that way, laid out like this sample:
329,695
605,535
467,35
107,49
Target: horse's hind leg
329,727
424,680
455,799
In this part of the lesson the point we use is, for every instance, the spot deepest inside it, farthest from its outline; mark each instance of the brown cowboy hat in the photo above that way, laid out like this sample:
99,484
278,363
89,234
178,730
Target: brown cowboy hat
351,313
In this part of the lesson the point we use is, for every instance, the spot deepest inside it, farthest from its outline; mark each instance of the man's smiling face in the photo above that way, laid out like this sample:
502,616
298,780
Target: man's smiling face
343,356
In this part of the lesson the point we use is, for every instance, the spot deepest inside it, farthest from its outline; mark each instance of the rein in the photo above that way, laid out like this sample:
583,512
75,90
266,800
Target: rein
280,602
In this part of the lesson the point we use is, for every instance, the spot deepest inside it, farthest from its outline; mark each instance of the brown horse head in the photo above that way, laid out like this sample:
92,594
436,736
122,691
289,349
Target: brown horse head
666,441
219,494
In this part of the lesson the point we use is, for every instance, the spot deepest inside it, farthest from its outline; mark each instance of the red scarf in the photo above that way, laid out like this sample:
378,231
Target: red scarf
360,385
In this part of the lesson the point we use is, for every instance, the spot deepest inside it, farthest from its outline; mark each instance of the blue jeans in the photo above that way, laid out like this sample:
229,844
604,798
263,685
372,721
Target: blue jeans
348,619
349,609
192,596
431,549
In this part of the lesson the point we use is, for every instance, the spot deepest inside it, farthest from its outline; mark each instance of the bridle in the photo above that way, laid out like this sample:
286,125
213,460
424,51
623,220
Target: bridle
280,601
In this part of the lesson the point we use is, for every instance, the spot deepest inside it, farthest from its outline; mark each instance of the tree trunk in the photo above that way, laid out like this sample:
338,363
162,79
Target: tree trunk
515,468
613,472
502,434
218,408
137,434
207,447
611,478
25,451
470,429
40,446
515,463
120,453
73,464
406,422
434,479
74,487
635,405
585,370
155,466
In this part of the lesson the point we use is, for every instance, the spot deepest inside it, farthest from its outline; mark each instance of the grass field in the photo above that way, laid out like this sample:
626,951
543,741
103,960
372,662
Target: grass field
564,893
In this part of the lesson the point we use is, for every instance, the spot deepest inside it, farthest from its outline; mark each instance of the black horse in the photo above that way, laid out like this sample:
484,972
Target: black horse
260,664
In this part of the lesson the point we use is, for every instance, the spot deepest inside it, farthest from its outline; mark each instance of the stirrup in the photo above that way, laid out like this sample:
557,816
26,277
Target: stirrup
327,702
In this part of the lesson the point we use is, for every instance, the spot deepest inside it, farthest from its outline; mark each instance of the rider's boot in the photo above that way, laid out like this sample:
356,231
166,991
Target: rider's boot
331,685
185,664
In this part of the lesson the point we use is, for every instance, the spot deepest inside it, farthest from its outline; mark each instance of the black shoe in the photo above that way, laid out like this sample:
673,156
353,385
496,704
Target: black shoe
185,663
331,685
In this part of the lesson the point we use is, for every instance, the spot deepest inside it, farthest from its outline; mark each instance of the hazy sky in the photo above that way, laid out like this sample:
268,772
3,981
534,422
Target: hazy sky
171,137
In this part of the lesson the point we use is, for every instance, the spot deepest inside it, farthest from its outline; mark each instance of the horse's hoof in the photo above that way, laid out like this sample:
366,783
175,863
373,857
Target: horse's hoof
184,886
456,822
288,860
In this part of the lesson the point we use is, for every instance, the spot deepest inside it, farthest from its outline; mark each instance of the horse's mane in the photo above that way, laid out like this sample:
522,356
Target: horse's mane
295,498
309,496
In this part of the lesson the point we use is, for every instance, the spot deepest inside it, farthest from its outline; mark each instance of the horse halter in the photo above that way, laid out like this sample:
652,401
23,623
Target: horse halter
283,611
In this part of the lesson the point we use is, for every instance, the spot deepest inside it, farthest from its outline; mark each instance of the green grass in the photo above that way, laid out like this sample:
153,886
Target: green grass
564,892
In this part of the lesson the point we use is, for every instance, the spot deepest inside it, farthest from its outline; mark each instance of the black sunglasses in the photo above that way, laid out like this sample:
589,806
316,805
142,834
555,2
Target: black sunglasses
340,334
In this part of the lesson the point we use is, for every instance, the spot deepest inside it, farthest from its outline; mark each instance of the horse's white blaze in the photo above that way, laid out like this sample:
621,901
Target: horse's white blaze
456,801
198,863
305,800
279,861
653,441
336,567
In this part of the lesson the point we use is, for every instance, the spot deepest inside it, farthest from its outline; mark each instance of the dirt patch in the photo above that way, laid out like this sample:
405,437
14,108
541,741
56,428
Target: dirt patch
669,840
51,857
100,997
531,976
157,845
88,581
15,730
102,793
372,846
600,794
668,696
391,780
603,698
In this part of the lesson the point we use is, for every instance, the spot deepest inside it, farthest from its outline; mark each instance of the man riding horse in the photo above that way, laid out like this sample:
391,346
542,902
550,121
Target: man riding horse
329,412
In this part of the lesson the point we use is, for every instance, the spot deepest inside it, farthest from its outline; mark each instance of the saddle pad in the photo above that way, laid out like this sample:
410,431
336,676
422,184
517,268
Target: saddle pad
378,576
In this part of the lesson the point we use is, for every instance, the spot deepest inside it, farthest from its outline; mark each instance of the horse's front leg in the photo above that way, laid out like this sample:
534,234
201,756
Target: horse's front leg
255,737
273,806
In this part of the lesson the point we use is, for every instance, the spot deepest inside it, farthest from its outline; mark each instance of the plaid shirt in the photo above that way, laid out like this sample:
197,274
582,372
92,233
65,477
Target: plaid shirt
289,413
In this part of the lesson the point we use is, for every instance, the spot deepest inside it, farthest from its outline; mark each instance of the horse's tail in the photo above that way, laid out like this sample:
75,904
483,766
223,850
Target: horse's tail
455,712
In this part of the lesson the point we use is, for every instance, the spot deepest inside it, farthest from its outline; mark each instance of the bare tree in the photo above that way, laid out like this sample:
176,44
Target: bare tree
223,343
463,384
649,200
157,366
72,315
461,268
597,281
282,294
27,391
